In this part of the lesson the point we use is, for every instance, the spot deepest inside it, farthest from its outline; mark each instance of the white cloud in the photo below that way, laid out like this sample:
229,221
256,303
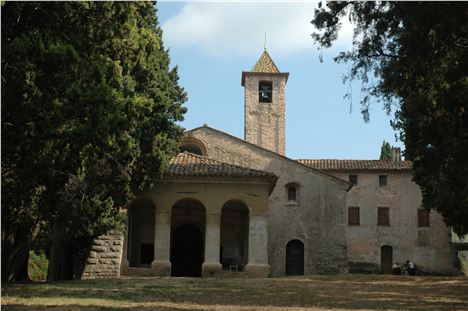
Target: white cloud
237,29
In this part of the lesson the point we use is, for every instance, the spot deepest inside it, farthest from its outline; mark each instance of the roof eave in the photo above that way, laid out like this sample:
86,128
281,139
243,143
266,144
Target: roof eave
251,73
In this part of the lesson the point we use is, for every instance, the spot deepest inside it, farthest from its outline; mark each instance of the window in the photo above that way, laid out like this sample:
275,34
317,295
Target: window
353,179
192,148
291,193
353,215
423,217
382,180
265,92
383,216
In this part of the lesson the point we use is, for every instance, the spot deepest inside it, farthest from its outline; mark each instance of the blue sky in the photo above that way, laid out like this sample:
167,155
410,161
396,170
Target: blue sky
213,42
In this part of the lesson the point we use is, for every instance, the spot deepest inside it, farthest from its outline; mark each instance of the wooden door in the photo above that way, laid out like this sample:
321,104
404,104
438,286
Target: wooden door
295,258
386,259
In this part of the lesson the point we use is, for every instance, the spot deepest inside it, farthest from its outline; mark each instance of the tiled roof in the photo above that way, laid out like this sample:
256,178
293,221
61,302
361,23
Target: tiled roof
192,165
265,64
357,165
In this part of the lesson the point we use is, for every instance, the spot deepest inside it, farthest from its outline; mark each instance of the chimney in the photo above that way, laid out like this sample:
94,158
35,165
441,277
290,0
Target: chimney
396,154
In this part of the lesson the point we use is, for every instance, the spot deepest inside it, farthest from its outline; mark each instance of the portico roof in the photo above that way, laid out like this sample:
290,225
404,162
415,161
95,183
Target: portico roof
192,165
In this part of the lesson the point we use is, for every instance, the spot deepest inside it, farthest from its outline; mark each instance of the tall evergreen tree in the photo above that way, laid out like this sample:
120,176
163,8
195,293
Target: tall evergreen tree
89,118
414,56
386,151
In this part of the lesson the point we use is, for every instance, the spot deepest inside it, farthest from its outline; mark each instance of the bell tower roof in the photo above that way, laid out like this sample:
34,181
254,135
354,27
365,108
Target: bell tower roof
265,64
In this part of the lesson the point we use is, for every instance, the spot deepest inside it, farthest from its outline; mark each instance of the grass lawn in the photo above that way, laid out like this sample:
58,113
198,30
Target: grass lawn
297,293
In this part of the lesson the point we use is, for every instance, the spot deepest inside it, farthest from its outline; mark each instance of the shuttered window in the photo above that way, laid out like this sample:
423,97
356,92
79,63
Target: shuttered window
382,180
383,216
353,215
423,218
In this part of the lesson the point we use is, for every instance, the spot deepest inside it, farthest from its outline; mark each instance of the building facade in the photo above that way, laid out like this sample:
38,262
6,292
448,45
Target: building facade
231,205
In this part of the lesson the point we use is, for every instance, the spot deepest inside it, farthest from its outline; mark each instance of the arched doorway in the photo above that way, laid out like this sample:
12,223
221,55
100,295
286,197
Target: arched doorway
141,230
234,235
386,259
187,238
187,251
295,258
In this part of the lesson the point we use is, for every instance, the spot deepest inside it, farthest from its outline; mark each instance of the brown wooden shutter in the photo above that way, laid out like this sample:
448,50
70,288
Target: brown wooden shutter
353,215
423,218
383,216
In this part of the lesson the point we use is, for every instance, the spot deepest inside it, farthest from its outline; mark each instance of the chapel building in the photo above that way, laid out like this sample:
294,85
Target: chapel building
231,205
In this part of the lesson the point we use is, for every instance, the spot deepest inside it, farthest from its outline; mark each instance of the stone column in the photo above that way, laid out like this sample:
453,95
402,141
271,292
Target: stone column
211,266
258,247
162,244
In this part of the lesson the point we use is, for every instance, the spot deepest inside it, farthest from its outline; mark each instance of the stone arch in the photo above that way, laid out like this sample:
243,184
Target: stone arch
193,145
234,235
295,257
187,237
141,216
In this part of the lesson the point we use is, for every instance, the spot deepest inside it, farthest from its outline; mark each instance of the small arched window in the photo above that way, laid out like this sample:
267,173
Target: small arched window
292,192
193,145
192,148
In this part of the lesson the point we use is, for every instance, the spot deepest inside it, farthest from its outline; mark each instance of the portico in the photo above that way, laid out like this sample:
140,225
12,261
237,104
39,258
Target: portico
206,215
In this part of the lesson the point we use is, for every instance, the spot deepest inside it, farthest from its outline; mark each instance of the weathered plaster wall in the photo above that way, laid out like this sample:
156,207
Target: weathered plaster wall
428,247
318,217
265,122
105,257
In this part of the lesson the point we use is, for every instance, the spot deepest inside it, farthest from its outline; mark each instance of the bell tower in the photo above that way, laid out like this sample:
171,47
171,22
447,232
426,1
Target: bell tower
264,104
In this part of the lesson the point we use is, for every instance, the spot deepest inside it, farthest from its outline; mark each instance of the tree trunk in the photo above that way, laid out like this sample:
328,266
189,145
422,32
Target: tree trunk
15,256
60,259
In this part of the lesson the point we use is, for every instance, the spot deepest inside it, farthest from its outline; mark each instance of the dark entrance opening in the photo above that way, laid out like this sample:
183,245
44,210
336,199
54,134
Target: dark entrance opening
295,258
147,253
386,259
187,251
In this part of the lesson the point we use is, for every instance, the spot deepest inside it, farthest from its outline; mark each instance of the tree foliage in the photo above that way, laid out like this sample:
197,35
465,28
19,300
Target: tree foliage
385,151
89,118
413,57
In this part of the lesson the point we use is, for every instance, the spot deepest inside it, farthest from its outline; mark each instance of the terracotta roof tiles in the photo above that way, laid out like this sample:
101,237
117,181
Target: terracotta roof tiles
357,165
189,164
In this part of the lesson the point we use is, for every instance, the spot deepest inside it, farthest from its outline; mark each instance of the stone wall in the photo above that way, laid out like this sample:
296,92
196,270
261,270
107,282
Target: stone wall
265,122
105,257
317,218
428,247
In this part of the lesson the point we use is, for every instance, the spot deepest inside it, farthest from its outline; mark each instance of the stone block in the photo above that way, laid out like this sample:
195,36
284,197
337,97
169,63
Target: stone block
115,248
92,254
98,242
118,242
92,261
210,269
99,249
110,255
161,268
257,271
